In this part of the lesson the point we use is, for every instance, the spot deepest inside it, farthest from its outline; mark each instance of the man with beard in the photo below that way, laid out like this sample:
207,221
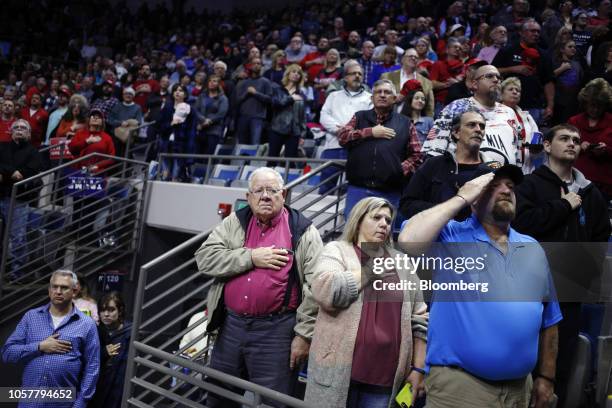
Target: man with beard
63,96
36,116
144,86
58,345
483,345
253,96
501,141
19,160
314,62
106,102
556,203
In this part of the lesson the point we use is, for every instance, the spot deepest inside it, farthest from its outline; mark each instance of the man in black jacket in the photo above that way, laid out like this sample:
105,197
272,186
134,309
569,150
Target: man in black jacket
19,160
383,149
440,177
557,204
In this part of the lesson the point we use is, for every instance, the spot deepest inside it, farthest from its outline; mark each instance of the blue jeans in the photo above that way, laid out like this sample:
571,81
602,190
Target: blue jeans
361,397
256,349
355,194
340,153
249,130
17,249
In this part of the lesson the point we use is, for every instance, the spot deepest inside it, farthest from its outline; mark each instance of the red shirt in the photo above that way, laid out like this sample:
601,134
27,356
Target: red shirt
595,168
377,345
262,291
5,130
442,71
79,148
141,98
38,122
314,69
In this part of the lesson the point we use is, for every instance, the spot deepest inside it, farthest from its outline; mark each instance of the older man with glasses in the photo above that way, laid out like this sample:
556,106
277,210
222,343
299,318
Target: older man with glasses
501,142
19,160
260,259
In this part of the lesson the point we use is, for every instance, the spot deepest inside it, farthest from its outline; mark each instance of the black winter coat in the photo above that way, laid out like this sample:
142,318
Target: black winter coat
22,157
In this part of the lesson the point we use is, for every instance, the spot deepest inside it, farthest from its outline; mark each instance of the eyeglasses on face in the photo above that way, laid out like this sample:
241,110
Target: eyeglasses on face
269,190
490,76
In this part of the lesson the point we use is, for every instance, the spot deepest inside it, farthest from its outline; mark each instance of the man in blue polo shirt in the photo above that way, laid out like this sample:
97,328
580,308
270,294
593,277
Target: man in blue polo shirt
483,345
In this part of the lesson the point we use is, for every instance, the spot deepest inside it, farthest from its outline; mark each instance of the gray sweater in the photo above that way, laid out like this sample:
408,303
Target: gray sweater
121,112
254,106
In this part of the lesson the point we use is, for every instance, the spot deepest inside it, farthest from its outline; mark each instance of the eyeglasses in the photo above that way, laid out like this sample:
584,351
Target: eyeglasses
21,127
412,56
354,73
490,76
260,191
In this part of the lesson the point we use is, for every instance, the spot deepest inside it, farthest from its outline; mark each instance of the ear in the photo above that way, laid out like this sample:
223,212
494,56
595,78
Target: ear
547,146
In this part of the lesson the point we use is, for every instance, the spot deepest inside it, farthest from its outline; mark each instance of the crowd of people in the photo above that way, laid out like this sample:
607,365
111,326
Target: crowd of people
459,122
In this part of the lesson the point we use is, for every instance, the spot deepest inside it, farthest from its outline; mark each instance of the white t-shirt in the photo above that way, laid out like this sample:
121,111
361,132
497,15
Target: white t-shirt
501,142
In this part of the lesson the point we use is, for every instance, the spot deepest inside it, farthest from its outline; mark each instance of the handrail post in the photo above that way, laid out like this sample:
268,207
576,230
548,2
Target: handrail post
7,234
130,369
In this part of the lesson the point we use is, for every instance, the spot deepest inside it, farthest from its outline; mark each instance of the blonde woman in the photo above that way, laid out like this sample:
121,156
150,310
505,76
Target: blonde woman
288,121
367,343
277,70
330,73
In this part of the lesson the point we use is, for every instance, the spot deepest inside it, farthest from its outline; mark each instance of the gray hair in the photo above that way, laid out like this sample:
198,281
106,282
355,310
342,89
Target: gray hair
66,272
221,64
350,64
456,122
530,20
359,211
21,122
261,170
384,82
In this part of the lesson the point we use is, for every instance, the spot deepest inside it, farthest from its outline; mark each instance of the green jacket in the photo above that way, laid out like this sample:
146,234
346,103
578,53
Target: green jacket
223,256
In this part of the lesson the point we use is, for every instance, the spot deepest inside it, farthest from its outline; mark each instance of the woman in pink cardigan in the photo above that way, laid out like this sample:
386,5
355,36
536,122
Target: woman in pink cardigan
367,342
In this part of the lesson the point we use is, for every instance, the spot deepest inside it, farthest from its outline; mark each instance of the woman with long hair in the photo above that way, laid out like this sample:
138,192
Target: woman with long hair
569,77
277,70
332,71
288,123
75,117
178,134
367,343
211,109
413,107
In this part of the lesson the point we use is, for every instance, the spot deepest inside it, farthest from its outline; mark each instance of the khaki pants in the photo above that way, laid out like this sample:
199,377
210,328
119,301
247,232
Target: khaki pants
448,387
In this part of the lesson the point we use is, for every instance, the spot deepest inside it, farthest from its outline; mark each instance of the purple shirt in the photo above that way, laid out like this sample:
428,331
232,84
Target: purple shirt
262,291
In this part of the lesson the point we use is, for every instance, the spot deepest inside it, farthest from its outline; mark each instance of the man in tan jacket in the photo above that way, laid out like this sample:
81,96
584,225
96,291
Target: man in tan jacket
409,71
261,260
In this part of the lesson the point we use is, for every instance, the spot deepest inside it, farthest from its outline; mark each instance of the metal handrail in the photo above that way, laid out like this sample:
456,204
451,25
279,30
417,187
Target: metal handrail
257,390
151,293
125,208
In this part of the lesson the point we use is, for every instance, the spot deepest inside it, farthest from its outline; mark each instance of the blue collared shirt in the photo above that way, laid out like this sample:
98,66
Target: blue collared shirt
492,335
78,368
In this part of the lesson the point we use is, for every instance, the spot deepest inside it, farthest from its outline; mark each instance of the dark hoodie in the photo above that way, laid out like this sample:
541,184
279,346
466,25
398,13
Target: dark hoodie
112,369
543,214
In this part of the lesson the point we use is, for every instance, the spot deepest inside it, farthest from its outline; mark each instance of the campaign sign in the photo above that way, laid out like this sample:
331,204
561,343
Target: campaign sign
86,186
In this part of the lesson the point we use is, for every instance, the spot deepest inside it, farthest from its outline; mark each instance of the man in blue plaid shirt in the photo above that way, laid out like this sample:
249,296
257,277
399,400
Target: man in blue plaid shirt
58,346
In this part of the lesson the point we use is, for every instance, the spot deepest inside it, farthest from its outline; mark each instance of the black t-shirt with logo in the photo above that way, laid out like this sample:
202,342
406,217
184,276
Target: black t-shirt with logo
532,87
